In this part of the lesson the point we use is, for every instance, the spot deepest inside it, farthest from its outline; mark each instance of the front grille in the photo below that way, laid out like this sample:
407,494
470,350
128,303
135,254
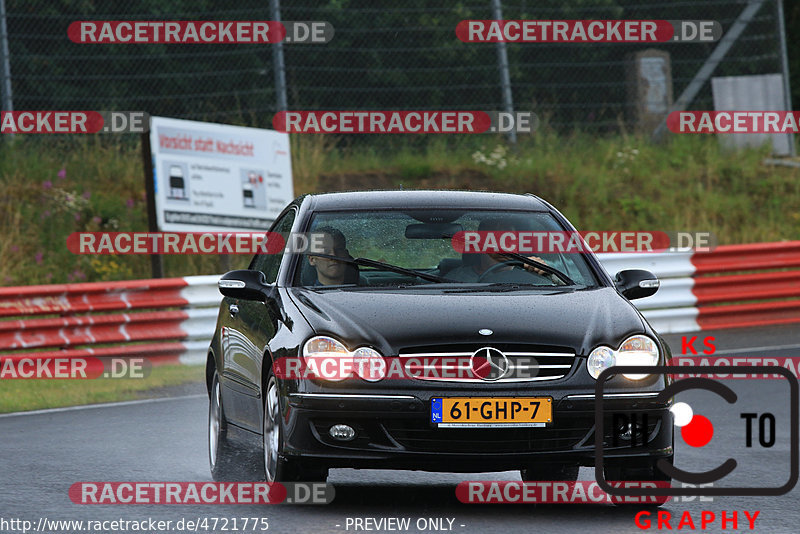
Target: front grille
454,363
475,440
567,434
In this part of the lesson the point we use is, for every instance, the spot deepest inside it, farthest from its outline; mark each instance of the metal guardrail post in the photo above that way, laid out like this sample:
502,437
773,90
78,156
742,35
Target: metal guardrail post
705,72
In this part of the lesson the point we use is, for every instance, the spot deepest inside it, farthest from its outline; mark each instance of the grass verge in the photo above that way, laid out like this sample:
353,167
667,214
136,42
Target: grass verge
26,395
51,188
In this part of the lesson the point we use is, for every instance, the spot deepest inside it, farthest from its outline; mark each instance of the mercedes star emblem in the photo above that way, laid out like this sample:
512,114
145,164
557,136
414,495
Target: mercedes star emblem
489,364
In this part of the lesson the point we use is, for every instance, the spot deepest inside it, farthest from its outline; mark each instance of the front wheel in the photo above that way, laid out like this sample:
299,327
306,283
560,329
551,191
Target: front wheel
277,468
222,455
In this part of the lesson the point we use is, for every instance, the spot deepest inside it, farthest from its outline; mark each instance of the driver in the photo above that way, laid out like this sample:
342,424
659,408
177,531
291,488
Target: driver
472,271
330,272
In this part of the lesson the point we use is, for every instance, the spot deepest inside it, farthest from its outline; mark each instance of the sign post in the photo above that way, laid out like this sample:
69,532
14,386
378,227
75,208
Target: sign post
156,261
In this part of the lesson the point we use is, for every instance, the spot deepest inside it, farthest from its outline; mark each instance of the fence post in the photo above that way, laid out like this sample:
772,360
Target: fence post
787,90
277,61
502,65
5,57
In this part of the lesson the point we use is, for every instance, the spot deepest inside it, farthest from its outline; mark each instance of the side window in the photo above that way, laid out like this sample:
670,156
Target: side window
269,263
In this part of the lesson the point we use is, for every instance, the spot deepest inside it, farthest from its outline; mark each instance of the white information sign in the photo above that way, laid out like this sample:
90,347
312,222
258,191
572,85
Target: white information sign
212,177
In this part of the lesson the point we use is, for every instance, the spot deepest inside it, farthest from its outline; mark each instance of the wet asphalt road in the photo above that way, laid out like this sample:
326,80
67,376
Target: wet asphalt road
43,454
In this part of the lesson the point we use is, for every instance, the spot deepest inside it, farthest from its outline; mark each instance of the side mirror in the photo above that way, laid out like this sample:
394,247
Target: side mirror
245,284
636,283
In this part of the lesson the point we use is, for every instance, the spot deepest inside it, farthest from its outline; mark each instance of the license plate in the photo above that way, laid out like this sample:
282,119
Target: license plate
495,412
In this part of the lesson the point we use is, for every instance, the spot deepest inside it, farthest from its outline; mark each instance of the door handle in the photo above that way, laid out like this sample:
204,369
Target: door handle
233,309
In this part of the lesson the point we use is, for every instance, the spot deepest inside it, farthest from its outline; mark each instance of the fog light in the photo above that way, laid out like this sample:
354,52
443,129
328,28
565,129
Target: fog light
342,432
626,432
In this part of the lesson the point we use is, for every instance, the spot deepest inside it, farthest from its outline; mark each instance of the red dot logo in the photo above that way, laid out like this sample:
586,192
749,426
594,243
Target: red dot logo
698,432
696,429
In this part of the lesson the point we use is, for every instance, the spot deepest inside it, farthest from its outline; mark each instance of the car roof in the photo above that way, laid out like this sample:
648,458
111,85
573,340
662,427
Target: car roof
423,199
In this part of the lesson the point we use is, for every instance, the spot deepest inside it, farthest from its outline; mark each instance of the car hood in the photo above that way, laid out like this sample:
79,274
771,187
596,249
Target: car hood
392,320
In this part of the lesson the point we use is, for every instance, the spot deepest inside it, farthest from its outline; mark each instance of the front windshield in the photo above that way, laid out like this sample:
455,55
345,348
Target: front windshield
395,248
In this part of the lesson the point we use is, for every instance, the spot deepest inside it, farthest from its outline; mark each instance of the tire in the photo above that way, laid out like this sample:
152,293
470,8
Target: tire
640,471
550,472
277,468
222,454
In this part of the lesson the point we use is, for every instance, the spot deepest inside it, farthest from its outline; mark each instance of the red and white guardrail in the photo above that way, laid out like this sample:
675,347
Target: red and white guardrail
169,320
172,320
732,286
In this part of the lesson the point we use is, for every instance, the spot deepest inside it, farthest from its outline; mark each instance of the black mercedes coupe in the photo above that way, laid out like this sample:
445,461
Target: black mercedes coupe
374,341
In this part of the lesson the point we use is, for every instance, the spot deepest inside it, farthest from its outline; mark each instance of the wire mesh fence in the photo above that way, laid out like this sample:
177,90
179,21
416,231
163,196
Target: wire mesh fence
394,55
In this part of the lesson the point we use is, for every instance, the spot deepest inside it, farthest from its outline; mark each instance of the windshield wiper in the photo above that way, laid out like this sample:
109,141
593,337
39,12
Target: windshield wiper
507,287
401,270
543,266
366,262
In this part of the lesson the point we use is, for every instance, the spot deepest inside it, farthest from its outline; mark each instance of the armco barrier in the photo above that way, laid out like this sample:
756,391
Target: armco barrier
172,320
167,320
674,306
699,291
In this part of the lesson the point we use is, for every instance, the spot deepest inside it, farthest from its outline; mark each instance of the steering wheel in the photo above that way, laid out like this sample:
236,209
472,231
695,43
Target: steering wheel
499,266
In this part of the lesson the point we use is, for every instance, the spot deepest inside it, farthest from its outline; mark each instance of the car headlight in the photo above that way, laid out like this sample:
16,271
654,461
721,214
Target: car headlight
369,364
330,360
636,350
599,360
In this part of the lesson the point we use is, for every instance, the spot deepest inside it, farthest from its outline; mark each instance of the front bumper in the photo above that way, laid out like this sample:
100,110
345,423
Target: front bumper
395,432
